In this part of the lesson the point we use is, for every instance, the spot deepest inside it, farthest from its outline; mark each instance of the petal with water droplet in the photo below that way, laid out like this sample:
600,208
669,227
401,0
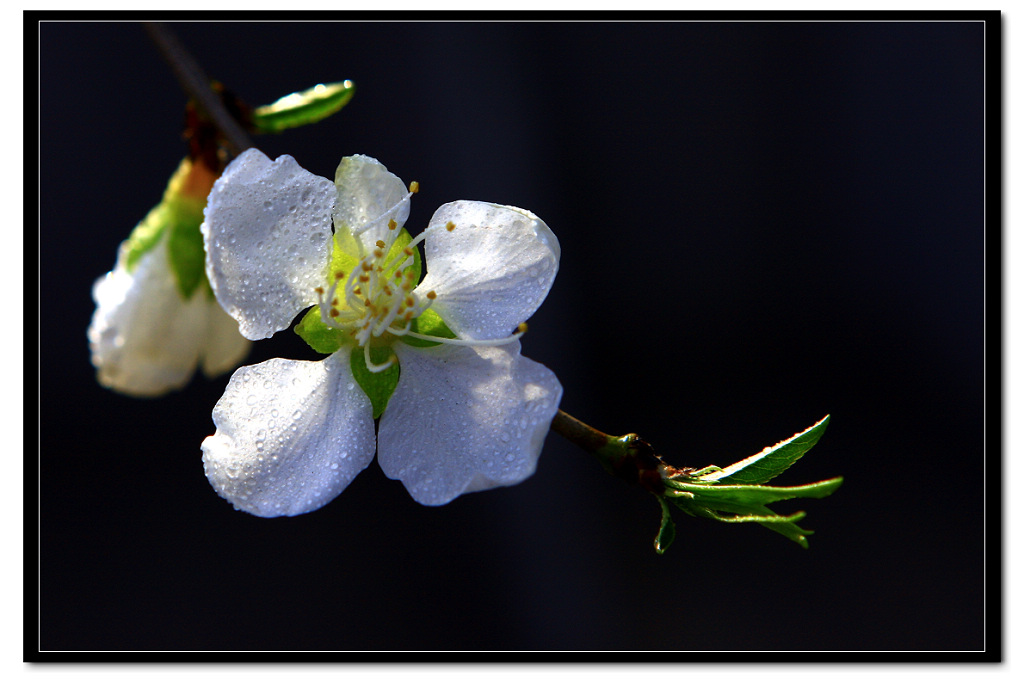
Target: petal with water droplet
423,441
281,467
492,271
269,272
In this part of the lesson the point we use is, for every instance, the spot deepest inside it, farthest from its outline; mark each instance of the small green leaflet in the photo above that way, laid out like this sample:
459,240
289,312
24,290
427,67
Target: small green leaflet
667,532
301,108
772,461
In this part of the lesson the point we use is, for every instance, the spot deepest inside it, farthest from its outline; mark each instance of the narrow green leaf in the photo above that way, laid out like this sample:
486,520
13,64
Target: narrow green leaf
785,525
710,494
772,461
320,337
378,385
301,108
667,532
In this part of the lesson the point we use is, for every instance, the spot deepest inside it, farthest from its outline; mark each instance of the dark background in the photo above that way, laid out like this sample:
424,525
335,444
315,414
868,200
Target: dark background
761,223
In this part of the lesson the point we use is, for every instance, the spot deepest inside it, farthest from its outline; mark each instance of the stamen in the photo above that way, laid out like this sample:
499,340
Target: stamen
414,187
449,226
392,225
466,342
373,367
380,243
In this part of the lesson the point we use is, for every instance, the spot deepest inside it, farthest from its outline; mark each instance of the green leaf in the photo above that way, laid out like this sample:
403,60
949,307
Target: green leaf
378,385
320,337
752,494
746,503
785,525
301,108
772,461
667,532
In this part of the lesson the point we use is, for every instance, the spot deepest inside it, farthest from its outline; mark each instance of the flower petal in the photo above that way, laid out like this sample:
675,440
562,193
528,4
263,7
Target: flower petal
465,419
290,436
492,271
267,235
368,196
224,347
144,337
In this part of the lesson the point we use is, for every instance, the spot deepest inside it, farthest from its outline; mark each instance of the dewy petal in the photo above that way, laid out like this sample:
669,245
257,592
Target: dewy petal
368,196
465,419
144,338
224,347
492,271
268,240
290,436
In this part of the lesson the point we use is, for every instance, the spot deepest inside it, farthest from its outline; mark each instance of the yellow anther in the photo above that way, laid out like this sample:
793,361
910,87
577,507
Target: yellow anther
387,290
366,266
364,278
408,316
409,302
379,253
407,251
392,225
339,275
521,328
414,187
380,243
334,301
449,226
319,290
431,295
334,312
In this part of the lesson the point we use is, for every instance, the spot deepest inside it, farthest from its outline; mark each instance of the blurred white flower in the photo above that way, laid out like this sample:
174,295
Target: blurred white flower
156,320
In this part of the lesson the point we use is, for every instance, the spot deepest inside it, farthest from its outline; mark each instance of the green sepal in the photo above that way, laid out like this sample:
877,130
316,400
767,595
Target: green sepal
180,217
429,323
185,246
320,337
667,531
772,461
378,385
145,236
301,108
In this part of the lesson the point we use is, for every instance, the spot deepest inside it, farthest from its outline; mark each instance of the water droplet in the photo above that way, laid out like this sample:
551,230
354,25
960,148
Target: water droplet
297,415
251,400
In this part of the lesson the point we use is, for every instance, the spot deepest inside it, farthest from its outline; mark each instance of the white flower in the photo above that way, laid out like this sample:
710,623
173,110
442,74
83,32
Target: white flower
146,336
467,414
